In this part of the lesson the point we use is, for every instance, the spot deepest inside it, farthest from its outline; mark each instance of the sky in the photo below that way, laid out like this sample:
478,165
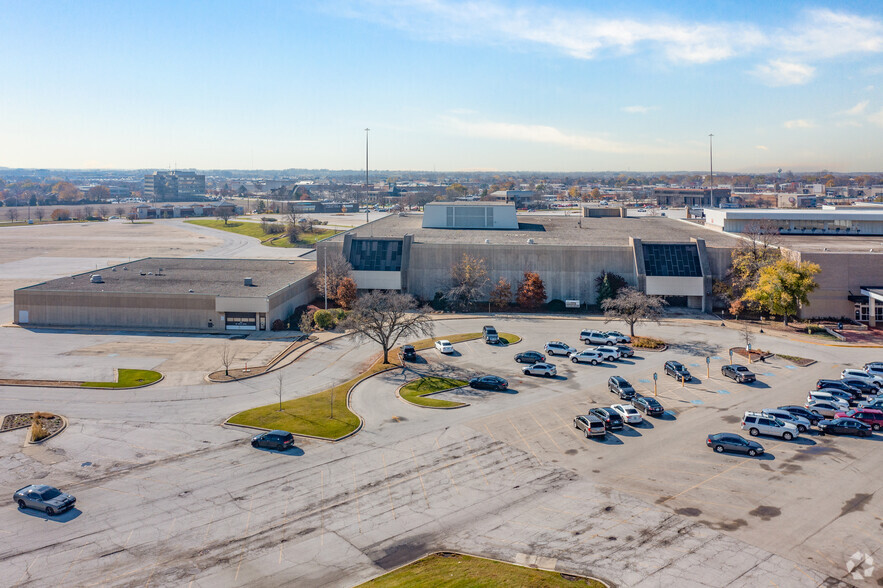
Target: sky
446,85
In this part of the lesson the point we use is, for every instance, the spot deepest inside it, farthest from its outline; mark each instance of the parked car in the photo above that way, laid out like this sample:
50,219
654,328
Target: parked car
866,387
873,365
587,356
592,426
826,396
619,337
596,338
825,408
540,369
849,398
529,357
281,440
721,442
845,426
739,373
49,499
611,418
648,405
872,378
444,346
876,403
489,383
409,353
838,385
801,423
812,417
625,351
558,348
757,423
608,352
621,387
490,335
869,416
628,413
677,371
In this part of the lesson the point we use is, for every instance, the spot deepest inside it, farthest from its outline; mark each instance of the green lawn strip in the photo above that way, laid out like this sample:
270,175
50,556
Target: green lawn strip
463,571
253,229
128,379
509,338
415,392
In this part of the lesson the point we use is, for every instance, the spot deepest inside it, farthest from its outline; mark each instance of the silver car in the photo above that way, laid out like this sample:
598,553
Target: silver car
540,369
46,498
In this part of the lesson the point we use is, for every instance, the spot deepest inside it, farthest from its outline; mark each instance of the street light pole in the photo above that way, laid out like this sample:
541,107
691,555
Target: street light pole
366,166
711,168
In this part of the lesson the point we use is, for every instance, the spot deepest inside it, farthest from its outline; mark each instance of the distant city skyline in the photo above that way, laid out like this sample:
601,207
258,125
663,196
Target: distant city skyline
445,85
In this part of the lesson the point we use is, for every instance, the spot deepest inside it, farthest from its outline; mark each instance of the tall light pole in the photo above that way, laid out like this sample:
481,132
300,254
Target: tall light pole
366,166
711,169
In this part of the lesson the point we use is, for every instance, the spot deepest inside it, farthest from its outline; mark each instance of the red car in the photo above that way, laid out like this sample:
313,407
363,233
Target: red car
869,416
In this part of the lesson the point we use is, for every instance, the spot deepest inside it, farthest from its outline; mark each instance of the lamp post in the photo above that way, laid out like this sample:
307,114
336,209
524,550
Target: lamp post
711,169
366,166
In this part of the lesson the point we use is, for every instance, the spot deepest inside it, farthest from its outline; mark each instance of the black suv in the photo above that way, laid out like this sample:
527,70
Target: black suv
281,440
739,373
490,335
409,353
611,418
676,370
812,417
839,385
621,387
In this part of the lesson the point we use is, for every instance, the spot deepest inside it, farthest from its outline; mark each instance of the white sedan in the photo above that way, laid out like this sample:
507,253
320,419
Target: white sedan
540,369
608,352
444,346
628,413
587,356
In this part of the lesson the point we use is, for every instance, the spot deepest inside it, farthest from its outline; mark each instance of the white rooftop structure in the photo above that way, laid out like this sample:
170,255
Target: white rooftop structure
842,221
469,215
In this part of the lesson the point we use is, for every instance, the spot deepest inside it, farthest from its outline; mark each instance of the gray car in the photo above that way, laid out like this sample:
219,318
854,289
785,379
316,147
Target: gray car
46,498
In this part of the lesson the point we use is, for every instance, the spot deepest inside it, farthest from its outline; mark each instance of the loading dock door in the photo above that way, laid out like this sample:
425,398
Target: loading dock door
240,321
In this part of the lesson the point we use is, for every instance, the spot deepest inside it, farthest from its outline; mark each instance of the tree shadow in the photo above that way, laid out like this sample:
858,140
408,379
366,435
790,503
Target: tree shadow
698,348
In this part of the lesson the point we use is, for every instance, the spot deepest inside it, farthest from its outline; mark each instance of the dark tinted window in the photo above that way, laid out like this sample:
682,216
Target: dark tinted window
376,255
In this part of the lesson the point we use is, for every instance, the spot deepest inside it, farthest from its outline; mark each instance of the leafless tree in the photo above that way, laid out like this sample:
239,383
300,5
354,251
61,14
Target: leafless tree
102,211
338,268
120,211
280,380
12,214
632,307
87,211
227,355
469,280
39,213
386,317
747,335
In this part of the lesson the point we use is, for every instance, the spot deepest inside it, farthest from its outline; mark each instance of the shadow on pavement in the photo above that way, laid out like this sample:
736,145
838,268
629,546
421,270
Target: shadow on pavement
60,518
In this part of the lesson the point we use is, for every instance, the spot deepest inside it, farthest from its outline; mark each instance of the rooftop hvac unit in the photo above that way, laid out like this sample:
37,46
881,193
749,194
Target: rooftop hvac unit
247,282
487,241
530,241
96,279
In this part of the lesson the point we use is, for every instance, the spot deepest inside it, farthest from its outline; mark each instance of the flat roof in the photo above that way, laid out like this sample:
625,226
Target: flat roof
470,203
573,230
179,275
832,243
800,214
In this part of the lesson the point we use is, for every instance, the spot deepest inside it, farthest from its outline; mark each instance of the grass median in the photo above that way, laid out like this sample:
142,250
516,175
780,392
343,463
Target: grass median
128,379
253,229
462,571
416,392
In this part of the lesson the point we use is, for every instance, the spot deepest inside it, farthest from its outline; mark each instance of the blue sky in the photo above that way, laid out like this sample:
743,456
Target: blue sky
443,84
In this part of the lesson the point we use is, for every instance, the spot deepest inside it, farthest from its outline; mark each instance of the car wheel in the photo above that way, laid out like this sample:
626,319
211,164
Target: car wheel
801,429
587,434
549,375
594,362
740,379
254,443
754,432
787,436
50,511
752,452
574,360
719,448
21,504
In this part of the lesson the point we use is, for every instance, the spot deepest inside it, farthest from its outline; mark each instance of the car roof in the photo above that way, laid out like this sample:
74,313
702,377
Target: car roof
278,432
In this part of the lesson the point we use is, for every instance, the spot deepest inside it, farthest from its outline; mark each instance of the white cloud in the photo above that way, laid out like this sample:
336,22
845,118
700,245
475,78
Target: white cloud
784,73
762,147
637,109
800,123
823,34
876,118
539,134
857,109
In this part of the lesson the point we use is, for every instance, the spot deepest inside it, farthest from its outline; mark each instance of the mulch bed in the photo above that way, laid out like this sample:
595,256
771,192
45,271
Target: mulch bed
53,423
41,383
756,354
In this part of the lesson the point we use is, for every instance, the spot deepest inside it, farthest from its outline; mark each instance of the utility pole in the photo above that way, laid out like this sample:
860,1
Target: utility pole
711,168
325,259
366,166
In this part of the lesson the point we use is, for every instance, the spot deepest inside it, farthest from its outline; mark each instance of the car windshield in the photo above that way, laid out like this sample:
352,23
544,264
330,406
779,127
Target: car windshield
631,411
50,494
778,422
741,368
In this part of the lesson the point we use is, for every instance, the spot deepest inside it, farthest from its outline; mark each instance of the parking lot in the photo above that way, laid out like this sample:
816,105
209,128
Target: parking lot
166,496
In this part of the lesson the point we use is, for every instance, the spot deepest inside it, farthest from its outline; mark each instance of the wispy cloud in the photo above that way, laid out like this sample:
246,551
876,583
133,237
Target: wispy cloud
762,147
637,109
784,73
876,118
824,33
544,134
800,123
857,109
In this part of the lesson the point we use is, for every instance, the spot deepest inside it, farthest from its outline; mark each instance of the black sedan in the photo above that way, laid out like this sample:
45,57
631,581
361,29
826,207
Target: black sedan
863,386
676,370
838,385
611,418
46,498
845,426
409,353
489,383
736,443
530,357
281,440
812,417
648,405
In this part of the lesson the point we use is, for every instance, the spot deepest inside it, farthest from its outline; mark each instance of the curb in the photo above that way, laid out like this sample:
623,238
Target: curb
28,441
399,396
660,350
25,384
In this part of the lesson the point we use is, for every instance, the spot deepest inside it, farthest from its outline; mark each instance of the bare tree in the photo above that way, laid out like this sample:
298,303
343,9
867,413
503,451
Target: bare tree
632,307
469,279
280,380
337,268
386,317
227,355
120,211
87,211
39,213
224,212
12,214
747,336
102,211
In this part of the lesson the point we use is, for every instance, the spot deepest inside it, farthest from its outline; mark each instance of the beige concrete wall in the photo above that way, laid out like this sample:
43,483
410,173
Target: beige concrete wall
366,280
674,286
841,273
283,302
118,310
241,304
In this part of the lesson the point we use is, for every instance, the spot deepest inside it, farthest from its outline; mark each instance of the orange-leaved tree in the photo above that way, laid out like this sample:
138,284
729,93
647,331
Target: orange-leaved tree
531,291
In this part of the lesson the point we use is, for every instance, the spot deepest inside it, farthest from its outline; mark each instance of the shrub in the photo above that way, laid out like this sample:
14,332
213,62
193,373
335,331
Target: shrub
278,325
324,319
556,306
61,214
38,428
647,342
439,302
339,314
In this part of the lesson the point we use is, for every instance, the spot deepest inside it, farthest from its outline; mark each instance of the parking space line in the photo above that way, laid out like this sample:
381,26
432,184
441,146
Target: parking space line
247,524
546,432
525,440
419,475
801,570
322,512
566,425
284,524
27,569
120,491
388,487
356,494
70,567
500,449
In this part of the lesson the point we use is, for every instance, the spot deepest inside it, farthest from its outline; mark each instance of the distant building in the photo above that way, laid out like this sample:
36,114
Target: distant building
173,186
796,201
691,196
520,197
